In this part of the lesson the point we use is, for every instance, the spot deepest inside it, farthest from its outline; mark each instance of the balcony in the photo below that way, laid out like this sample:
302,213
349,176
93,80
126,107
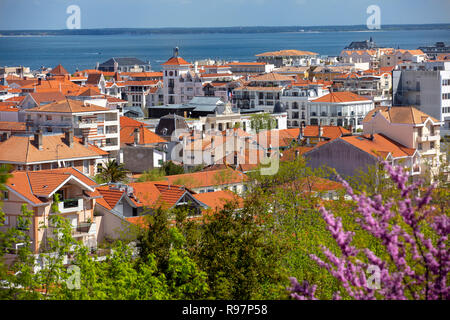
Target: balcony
84,228
70,205
428,138
415,169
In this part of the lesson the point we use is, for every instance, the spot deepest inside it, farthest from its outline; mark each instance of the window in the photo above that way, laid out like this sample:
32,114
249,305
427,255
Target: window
5,195
419,146
432,145
48,118
419,131
36,167
100,130
86,166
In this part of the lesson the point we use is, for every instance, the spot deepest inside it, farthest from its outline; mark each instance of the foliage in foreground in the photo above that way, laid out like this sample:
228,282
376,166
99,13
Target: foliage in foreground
418,259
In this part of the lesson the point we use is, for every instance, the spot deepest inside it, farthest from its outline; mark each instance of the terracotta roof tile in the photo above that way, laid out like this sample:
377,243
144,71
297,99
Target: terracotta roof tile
282,53
379,145
217,200
175,61
340,96
400,114
207,178
22,150
68,106
35,184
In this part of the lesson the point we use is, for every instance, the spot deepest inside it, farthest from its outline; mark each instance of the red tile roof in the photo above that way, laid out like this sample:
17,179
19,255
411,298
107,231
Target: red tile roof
207,178
400,114
23,150
340,96
380,145
175,61
35,184
283,53
68,106
110,196
59,70
217,200
153,193
13,126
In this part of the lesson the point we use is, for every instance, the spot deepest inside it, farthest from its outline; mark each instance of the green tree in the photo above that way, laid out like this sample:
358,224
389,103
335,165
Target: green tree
167,245
154,174
241,260
262,121
171,168
112,172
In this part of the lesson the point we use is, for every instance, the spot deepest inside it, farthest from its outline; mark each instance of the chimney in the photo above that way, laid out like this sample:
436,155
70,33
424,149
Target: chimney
38,139
137,136
68,136
175,52
84,140
6,135
300,133
39,81
320,130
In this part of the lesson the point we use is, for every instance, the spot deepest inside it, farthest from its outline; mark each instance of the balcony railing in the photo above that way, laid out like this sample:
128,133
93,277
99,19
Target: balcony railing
70,205
84,228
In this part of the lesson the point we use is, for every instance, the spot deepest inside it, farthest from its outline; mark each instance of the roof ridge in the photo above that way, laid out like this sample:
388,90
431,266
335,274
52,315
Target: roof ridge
29,183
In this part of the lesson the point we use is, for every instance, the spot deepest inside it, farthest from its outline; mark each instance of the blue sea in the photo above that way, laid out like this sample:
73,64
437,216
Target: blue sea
83,52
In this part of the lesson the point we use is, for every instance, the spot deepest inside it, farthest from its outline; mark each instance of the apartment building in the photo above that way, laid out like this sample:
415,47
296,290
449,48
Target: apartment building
262,92
125,64
38,151
288,58
36,189
425,86
350,154
243,68
295,100
339,108
410,127
98,124
180,83
372,84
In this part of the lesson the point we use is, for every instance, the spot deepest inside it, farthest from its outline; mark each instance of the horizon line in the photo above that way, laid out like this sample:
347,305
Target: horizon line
224,27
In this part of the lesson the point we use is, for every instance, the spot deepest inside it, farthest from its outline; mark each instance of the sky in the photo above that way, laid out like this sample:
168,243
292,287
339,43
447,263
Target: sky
51,14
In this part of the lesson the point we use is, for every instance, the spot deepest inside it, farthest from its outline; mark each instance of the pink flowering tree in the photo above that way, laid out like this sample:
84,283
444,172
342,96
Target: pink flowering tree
415,261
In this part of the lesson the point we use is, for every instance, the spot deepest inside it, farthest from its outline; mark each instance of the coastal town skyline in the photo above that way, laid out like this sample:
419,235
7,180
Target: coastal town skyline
230,170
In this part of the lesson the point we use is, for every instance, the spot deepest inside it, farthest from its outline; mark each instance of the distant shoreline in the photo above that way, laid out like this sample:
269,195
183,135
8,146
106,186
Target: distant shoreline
237,30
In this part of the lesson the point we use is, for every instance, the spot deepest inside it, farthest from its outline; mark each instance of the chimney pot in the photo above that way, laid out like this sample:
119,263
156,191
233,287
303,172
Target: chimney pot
38,139
137,136
84,140
68,135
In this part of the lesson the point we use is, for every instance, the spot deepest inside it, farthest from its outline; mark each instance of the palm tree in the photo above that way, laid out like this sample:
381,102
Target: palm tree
113,172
